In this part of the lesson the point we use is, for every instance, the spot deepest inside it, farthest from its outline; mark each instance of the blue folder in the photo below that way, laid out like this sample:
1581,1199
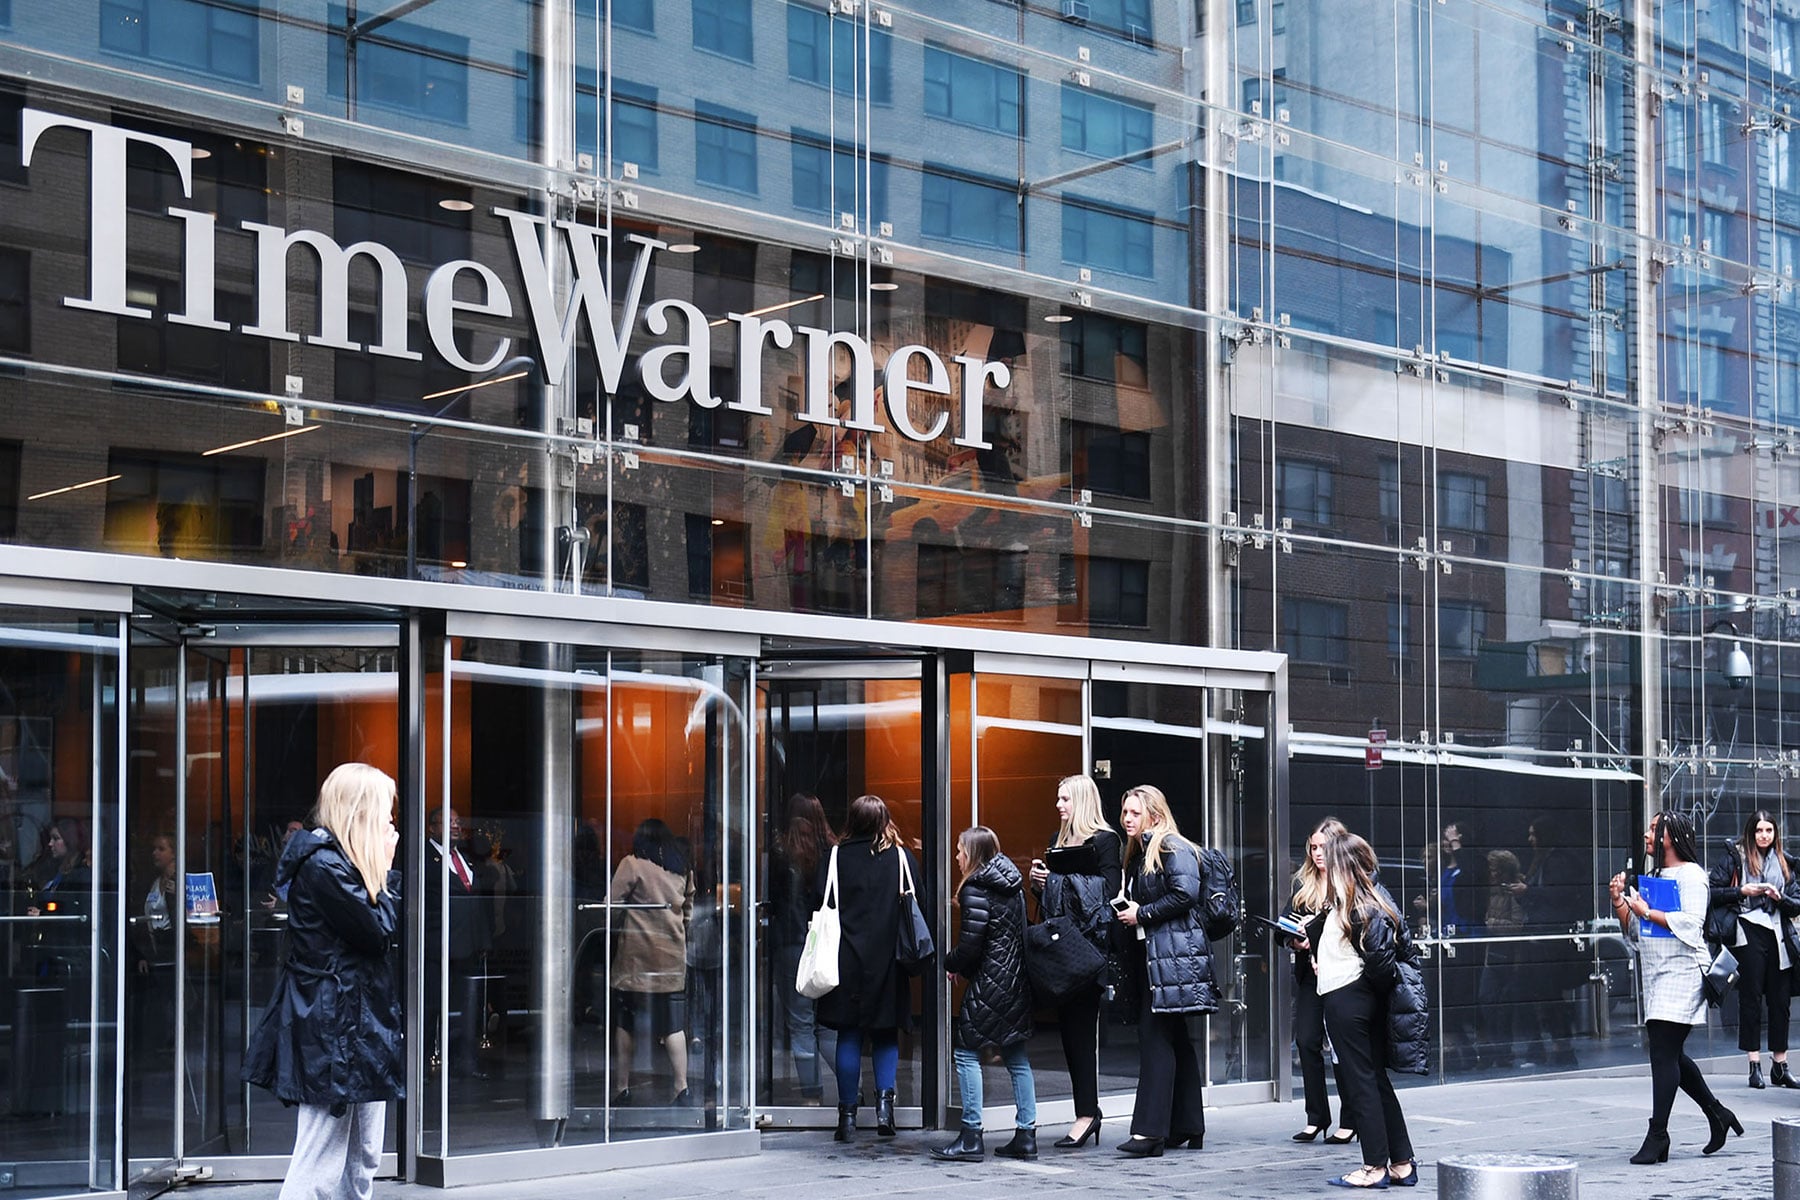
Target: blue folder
1663,896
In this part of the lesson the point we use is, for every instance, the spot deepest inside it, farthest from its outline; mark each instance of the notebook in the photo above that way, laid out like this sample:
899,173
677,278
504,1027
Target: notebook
1662,895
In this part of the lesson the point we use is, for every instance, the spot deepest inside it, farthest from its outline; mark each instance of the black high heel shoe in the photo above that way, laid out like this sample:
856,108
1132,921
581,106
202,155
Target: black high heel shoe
1655,1148
1718,1120
1343,1137
1142,1147
1193,1141
1309,1134
1091,1133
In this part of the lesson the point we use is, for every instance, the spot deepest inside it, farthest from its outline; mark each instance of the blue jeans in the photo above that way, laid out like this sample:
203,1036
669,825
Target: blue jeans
884,1048
968,1082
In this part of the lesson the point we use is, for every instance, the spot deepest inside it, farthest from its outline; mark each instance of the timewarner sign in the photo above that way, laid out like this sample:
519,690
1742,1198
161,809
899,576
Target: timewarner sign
671,371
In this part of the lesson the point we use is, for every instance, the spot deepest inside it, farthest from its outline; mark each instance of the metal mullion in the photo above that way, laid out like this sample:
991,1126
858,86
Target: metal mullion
179,1075
441,1051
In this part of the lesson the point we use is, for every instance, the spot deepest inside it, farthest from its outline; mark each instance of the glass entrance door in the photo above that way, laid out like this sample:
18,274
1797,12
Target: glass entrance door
231,727
59,887
830,731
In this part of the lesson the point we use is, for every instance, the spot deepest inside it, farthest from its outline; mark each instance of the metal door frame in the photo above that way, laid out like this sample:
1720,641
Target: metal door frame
234,633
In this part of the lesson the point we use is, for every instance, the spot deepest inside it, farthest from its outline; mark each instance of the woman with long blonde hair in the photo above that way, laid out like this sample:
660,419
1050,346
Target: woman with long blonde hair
1360,946
1077,879
330,1040
1308,909
1173,970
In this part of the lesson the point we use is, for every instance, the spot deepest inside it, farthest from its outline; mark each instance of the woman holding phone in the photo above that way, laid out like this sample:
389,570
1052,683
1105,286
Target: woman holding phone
1077,878
1751,880
1308,909
1173,966
1672,963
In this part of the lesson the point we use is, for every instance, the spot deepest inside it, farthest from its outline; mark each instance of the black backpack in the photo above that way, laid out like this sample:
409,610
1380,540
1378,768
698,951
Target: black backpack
1219,901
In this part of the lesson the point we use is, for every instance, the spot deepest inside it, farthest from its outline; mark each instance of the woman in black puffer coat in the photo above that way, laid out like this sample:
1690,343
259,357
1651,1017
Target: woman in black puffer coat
996,1006
1754,880
1173,965
330,1040
1374,1000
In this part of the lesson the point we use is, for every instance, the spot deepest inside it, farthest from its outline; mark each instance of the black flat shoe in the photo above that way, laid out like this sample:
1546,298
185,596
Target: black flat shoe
1023,1145
1756,1079
1342,1137
1091,1133
1781,1077
966,1148
1410,1179
1142,1147
1309,1134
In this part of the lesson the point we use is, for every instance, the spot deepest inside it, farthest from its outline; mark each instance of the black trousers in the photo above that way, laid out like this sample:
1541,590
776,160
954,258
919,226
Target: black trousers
1078,1020
1761,981
1671,1068
1309,1039
1168,1092
1357,1019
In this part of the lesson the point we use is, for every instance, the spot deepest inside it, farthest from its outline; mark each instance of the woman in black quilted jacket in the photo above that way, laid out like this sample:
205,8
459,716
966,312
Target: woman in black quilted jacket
1362,961
996,1006
1173,966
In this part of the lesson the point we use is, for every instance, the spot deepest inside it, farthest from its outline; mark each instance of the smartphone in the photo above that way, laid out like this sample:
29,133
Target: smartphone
1120,904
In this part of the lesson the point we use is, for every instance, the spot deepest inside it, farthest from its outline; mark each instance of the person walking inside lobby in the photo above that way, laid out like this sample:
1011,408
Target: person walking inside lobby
1672,953
996,1005
331,1039
1077,878
1172,962
1752,901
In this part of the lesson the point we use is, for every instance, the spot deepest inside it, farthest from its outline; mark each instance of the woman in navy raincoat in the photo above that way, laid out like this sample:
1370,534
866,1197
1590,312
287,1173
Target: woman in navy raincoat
330,1040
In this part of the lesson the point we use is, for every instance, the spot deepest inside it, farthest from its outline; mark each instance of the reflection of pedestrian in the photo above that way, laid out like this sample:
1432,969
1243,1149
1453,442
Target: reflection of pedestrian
330,1040
653,897
1555,896
1500,966
801,846
1672,965
1309,908
470,934
1753,879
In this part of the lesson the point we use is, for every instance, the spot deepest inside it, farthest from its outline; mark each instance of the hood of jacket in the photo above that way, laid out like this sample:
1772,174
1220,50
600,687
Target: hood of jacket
998,875
300,847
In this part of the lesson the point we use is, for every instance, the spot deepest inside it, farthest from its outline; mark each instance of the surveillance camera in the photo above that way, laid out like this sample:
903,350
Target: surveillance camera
1737,667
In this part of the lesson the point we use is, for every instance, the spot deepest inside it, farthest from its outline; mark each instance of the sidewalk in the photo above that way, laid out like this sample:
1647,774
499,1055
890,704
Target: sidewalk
1248,1154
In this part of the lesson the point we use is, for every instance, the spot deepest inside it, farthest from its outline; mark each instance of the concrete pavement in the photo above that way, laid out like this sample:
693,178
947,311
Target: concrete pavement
1598,1121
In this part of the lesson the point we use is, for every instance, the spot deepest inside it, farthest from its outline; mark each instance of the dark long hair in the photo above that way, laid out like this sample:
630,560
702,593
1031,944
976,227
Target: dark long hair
807,835
1753,860
869,818
1675,830
981,845
656,842
75,842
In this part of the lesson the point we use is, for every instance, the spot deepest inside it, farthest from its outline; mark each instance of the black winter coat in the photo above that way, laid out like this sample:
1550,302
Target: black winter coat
1177,952
996,1007
1391,967
1083,880
1726,878
872,990
332,1034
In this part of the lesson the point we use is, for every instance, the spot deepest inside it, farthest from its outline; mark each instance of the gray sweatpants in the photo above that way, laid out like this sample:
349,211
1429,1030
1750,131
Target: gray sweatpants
335,1157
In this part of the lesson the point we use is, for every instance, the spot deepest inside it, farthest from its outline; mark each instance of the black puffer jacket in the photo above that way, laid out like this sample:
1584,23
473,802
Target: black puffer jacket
1726,879
332,1034
996,1008
1177,954
1391,967
1083,880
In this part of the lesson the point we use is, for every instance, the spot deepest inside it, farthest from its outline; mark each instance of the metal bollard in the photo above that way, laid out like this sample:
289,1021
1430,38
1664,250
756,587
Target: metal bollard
37,1065
1507,1177
1785,1138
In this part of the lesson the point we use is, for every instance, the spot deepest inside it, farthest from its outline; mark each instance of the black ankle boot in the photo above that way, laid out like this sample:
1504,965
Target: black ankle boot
966,1148
884,1112
1780,1076
846,1123
1756,1079
1023,1145
1655,1148
1719,1119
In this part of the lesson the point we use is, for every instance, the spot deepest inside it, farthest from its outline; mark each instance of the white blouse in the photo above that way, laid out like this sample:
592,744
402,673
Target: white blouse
1335,959
1672,965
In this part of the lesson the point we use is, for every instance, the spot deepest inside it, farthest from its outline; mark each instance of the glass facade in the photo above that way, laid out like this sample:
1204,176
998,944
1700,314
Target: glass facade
1450,351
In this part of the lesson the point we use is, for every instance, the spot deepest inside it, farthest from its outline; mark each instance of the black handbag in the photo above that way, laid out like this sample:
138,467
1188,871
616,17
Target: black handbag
1717,980
913,947
1059,960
